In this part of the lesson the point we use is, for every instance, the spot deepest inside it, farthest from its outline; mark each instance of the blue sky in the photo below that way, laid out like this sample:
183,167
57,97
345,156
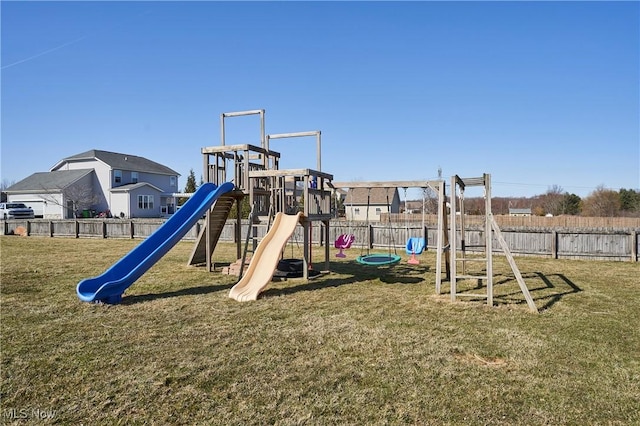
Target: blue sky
536,93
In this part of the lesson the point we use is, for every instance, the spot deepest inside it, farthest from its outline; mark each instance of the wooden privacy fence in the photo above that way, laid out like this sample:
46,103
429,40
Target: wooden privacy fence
619,244
503,221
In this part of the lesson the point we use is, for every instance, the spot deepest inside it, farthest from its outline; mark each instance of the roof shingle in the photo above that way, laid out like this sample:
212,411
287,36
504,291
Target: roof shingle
122,162
48,181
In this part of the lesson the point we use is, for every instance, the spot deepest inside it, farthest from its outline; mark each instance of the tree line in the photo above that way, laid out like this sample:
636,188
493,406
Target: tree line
601,202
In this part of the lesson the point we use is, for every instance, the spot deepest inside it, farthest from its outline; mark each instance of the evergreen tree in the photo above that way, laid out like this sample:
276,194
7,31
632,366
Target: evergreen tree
629,201
190,187
245,209
572,204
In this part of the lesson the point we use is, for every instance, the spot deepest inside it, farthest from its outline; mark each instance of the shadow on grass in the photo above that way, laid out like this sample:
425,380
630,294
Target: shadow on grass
552,299
348,272
564,288
351,272
193,291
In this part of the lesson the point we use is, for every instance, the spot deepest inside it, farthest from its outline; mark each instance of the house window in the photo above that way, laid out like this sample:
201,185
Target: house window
356,211
134,177
378,211
145,202
173,181
117,176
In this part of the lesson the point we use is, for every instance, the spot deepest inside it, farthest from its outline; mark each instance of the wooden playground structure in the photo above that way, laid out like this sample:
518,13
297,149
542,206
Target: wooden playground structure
461,258
254,170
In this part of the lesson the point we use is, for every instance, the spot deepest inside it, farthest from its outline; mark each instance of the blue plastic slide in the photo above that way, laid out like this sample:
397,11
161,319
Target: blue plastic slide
109,287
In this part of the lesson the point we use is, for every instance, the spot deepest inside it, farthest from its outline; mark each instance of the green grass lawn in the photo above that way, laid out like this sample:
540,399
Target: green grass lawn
360,345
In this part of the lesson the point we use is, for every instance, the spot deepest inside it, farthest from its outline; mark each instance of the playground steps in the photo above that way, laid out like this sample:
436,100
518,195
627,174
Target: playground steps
234,268
217,220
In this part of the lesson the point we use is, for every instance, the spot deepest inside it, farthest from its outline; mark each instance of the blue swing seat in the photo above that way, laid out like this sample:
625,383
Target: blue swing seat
415,245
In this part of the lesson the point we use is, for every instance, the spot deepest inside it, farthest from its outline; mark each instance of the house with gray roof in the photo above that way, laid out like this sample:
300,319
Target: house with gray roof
520,212
370,203
124,185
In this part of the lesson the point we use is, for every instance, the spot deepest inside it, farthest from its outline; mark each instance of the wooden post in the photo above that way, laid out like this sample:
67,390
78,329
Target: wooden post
554,244
327,252
51,228
514,267
305,249
104,229
131,230
77,229
634,245
453,239
488,221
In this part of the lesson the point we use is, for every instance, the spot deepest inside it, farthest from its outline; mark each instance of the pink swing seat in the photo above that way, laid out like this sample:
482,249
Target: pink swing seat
343,242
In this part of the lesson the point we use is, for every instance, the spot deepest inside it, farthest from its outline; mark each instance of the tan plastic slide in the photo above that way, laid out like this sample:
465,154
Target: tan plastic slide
265,259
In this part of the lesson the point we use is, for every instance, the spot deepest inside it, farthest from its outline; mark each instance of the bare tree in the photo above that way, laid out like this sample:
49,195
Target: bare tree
80,197
4,185
429,201
553,200
601,203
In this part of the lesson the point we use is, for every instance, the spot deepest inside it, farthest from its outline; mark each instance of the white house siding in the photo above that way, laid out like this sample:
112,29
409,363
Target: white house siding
144,190
106,178
90,180
360,212
120,204
102,182
161,181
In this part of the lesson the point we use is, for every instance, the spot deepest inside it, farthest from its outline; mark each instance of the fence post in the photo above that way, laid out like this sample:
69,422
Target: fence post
131,231
634,245
425,234
77,229
104,229
28,228
554,244
51,229
370,236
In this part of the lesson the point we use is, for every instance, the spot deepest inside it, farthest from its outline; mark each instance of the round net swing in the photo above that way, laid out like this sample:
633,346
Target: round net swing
379,259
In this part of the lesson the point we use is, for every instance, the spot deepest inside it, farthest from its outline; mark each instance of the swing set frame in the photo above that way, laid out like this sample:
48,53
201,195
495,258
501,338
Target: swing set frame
442,234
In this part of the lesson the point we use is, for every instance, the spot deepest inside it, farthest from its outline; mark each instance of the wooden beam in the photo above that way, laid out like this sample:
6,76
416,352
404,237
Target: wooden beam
433,184
514,267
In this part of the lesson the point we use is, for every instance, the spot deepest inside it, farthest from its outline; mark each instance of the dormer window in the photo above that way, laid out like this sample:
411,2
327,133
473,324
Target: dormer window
134,177
173,181
117,176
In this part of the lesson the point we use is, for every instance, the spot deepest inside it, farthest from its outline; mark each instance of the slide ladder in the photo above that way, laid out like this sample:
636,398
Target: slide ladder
217,220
